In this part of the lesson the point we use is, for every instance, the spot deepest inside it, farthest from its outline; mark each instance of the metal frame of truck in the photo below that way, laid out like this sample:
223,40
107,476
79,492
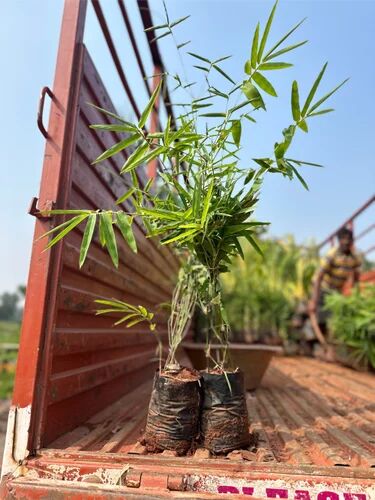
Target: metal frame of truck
76,374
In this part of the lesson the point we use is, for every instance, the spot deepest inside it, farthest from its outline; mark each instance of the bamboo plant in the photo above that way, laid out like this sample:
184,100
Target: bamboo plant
204,201
352,325
260,294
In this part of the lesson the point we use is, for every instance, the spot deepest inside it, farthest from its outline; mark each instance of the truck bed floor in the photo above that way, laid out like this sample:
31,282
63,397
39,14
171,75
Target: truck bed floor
305,412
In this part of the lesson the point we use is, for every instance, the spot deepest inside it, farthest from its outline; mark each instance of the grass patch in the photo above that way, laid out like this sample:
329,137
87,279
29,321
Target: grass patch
6,384
9,334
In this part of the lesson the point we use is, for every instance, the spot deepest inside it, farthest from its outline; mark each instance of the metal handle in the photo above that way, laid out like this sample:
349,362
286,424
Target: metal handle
45,90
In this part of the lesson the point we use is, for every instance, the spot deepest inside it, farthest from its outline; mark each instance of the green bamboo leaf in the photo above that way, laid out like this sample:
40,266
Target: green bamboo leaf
223,73
214,115
101,232
264,84
158,213
321,112
144,159
249,176
214,91
200,106
109,127
236,132
239,248
239,228
73,223
126,318
253,243
303,126
148,185
239,106
296,112
286,49
137,153
313,90
157,27
252,93
180,45
272,50
199,57
182,236
300,162
63,211
134,322
124,224
126,196
202,68
166,33
115,303
109,235
150,105
207,202
254,47
60,227
197,194
274,65
116,148
250,118
178,21
87,237
247,67
266,32
323,99
299,177
112,115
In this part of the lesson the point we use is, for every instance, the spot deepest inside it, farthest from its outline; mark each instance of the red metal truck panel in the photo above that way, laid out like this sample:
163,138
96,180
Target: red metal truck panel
82,383
71,363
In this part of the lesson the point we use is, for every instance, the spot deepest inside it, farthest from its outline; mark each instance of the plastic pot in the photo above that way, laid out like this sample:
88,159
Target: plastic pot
173,413
224,417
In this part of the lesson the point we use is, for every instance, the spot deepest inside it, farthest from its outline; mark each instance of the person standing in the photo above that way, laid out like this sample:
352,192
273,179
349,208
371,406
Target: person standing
340,264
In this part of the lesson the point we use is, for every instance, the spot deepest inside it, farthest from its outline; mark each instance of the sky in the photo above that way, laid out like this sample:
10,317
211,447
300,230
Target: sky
339,31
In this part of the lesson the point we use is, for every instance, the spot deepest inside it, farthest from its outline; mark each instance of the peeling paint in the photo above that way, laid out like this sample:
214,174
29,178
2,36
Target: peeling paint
316,489
107,476
21,433
16,439
101,475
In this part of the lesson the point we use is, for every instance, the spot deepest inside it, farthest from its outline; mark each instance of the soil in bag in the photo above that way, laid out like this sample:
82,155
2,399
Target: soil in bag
173,413
224,418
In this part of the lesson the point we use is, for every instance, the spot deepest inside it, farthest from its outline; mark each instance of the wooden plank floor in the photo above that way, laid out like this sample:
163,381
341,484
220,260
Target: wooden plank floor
305,412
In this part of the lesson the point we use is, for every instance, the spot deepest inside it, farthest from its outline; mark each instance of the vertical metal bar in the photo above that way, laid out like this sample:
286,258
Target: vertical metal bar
115,57
134,43
33,358
153,164
364,207
144,10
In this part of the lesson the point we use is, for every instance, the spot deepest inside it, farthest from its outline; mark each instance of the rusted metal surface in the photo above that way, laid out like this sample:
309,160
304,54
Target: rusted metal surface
316,440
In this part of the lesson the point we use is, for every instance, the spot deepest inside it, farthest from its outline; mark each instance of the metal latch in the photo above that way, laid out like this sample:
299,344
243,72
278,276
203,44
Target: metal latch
36,212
